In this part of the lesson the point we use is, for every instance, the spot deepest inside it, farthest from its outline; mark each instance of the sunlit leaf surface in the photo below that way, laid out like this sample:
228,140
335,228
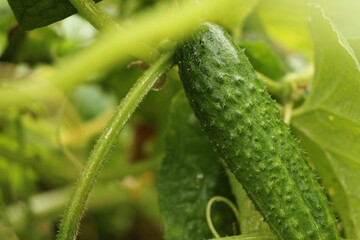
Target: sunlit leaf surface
329,121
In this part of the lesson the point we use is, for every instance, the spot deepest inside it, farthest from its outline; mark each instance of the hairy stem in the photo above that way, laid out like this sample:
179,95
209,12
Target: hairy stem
77,203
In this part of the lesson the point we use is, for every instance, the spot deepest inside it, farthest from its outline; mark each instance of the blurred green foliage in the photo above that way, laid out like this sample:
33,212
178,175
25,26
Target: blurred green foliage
44,144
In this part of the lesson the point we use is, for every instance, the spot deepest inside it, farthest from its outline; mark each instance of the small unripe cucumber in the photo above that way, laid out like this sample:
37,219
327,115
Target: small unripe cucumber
246,129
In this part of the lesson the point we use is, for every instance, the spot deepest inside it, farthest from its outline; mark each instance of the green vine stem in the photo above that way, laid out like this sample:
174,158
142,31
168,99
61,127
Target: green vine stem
255,236
288,107
97,18
303,77
276,89
208,212
77,202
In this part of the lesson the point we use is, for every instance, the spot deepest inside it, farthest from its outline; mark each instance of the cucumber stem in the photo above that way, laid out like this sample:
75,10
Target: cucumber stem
303,77
288,107
276,89
101,151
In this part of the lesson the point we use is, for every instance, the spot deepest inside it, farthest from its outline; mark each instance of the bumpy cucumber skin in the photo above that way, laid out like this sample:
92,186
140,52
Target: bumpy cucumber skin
246,129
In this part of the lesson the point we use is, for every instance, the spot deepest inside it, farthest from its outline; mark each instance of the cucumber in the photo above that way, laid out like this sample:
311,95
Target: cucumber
247,131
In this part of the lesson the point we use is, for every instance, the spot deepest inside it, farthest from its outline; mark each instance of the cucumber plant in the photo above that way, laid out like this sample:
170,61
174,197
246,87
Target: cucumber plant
246,156
247,131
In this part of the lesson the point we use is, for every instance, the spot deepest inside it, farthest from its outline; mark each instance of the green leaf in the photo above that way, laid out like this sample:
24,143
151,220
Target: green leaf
190,175
234,21
345,15
32,47
91,101
263,54
355,44
39,13
329,121
251,222
285,23
285,20
263,58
